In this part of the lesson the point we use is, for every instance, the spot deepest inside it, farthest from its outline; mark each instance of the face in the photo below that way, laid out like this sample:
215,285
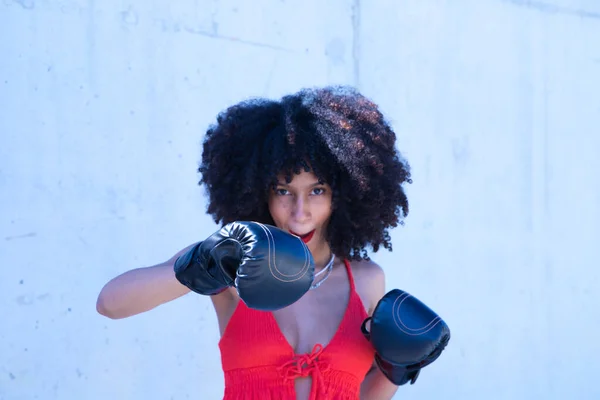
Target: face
302,207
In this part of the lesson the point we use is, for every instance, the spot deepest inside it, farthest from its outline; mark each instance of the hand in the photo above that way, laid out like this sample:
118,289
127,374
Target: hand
407,336
269,267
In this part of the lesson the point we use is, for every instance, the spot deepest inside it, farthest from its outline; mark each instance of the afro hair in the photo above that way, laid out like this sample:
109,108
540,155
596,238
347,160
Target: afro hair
334,131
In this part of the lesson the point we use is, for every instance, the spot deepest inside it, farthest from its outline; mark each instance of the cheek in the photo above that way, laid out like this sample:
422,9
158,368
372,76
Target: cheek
323,209
278,210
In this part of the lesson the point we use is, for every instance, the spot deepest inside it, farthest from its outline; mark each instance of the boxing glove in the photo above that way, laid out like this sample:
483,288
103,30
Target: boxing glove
269,267
407,336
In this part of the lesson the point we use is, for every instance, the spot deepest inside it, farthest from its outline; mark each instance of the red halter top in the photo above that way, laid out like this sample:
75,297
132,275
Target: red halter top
259,363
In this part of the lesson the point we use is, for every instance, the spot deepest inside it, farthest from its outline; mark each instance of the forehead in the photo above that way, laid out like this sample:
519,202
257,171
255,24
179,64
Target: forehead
303,178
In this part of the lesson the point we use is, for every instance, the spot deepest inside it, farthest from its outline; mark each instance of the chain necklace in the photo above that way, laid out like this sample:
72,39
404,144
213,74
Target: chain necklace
327,270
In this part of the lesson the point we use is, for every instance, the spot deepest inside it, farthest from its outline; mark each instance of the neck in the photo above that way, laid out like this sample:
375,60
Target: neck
322,256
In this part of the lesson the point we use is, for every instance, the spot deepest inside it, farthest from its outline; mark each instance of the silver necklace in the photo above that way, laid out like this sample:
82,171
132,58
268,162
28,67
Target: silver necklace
327,270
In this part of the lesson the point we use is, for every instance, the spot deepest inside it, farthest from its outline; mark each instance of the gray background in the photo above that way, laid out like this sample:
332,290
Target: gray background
103,105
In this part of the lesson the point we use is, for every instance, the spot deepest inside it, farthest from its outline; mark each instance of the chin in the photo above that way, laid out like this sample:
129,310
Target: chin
315,244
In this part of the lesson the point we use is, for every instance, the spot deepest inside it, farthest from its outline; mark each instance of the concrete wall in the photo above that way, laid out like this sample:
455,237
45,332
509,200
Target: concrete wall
102,109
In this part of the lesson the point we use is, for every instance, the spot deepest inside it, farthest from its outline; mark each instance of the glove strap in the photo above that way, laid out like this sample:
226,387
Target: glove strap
364,330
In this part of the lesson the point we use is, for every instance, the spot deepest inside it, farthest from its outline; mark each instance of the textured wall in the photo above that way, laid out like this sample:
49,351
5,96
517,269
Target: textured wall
102,109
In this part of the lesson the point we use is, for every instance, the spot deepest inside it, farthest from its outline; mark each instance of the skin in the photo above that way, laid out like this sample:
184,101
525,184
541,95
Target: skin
300,206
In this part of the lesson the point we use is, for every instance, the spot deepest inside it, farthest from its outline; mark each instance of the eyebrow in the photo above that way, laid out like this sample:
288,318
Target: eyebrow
312,185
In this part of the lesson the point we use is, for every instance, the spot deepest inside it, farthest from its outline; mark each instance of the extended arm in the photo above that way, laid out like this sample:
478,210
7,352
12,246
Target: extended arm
140,290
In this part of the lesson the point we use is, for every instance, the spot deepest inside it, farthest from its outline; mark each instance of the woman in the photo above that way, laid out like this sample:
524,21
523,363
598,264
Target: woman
321,165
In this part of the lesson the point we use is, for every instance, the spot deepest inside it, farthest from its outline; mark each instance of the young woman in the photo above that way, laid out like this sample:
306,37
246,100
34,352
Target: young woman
302,187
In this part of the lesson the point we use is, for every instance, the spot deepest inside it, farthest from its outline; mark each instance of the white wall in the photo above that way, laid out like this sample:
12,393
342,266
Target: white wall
102,110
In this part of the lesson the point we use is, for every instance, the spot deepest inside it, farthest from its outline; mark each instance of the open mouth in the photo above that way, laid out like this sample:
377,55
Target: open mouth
306,237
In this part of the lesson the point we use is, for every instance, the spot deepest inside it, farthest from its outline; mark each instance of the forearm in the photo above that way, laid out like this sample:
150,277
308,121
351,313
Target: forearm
139,290
376,386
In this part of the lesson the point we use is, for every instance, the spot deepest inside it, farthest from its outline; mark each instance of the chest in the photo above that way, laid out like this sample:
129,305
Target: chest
317,316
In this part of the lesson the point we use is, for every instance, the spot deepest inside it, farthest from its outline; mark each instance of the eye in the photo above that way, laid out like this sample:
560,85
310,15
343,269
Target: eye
318,191
281,192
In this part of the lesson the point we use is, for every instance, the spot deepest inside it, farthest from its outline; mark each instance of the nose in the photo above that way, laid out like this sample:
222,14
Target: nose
301,210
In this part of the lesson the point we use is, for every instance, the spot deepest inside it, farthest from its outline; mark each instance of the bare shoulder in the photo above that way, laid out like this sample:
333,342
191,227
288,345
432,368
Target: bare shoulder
370,282
368,271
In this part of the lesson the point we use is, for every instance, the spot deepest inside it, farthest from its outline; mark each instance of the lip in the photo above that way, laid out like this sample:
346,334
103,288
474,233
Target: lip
306,237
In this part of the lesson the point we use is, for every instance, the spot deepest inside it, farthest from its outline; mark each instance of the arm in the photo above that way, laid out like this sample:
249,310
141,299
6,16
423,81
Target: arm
376,386
407,336
231,259
140,290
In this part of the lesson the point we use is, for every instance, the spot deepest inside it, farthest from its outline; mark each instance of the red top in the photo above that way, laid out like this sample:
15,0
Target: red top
259,363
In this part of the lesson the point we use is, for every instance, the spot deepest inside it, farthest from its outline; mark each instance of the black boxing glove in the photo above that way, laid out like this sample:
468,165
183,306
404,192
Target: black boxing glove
269,267
407,336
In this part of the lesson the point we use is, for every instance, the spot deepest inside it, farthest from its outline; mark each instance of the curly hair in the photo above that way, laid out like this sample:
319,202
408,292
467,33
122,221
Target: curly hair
334,131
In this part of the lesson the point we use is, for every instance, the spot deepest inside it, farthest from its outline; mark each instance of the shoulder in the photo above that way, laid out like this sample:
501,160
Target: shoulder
368,271
369,278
